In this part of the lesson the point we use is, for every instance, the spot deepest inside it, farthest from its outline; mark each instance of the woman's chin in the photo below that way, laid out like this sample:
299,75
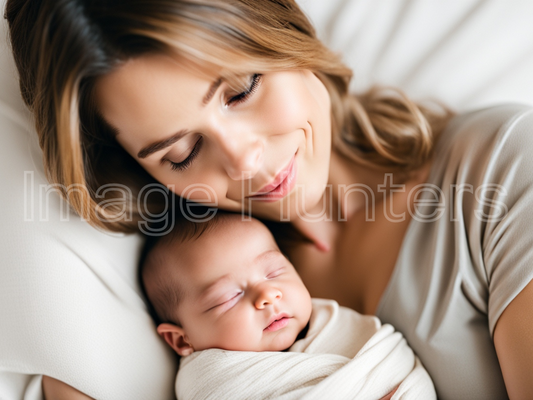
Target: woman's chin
305,204
310,203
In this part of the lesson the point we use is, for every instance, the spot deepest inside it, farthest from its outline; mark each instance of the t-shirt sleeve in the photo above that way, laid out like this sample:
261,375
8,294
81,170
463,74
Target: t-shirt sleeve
456,273
505,201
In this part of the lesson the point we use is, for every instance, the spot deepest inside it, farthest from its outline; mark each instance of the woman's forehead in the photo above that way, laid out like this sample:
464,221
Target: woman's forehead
152,66
146,72
143,93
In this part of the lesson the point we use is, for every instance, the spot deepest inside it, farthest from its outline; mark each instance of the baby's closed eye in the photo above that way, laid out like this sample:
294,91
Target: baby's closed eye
275,273
228,302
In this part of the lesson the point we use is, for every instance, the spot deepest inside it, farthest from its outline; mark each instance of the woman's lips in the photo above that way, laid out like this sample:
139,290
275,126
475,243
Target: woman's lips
277,324
281,186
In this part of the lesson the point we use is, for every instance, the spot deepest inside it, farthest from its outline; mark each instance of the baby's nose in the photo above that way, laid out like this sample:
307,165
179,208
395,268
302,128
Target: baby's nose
267,296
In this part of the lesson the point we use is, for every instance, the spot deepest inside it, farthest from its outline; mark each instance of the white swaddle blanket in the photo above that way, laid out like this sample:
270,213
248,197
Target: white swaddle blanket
345,355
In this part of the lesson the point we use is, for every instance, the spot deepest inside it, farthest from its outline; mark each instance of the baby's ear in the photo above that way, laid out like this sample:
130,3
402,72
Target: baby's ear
176,338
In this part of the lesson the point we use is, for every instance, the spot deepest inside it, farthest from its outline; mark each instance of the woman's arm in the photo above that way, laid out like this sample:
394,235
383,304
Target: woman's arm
57,390
513,339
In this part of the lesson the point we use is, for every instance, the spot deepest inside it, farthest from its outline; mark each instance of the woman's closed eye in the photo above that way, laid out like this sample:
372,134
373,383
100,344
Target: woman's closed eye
246,94
185,164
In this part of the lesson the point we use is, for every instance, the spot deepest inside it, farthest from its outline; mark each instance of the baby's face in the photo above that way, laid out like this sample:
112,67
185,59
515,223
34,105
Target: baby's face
240,292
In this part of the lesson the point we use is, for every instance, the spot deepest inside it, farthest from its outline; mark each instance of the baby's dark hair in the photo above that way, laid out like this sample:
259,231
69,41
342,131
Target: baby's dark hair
163,290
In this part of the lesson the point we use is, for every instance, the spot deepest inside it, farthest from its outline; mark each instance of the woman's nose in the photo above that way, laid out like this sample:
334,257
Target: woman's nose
242,160
267,295
241,150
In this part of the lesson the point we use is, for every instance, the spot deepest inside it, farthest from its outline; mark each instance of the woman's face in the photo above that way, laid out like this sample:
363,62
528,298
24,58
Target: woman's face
264,148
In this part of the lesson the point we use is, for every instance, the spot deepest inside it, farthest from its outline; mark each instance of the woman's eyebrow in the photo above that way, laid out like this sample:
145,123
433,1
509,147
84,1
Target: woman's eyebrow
161,144
211,92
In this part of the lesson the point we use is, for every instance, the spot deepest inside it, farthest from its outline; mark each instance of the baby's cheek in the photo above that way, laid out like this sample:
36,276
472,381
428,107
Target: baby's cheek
227,331
301,300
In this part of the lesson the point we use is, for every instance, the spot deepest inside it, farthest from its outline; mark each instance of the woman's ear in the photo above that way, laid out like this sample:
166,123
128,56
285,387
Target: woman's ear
176,338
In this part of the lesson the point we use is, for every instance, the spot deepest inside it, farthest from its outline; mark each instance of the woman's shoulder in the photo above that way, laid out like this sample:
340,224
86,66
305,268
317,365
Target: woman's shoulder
467,253
484,141
494,123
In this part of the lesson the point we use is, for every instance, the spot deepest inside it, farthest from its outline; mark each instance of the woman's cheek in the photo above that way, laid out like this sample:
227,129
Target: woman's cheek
283,105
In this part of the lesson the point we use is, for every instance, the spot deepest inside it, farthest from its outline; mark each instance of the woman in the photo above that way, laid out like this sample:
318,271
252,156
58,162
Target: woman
239,98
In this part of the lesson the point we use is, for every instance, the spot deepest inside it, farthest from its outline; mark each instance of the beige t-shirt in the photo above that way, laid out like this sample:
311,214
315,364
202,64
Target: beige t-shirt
468,252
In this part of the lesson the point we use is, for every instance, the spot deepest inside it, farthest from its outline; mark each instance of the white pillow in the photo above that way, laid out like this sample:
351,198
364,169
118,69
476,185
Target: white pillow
70,304
466,53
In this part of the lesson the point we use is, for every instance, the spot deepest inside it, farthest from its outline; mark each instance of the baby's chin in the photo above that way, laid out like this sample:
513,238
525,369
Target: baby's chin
281,342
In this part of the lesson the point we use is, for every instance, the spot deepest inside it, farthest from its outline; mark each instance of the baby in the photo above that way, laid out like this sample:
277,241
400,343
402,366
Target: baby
230,303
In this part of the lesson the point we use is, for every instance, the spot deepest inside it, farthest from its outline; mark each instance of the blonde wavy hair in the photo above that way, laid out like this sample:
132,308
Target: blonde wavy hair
62,47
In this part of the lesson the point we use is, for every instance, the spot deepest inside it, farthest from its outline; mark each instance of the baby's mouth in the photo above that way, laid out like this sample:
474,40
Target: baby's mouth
279,322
